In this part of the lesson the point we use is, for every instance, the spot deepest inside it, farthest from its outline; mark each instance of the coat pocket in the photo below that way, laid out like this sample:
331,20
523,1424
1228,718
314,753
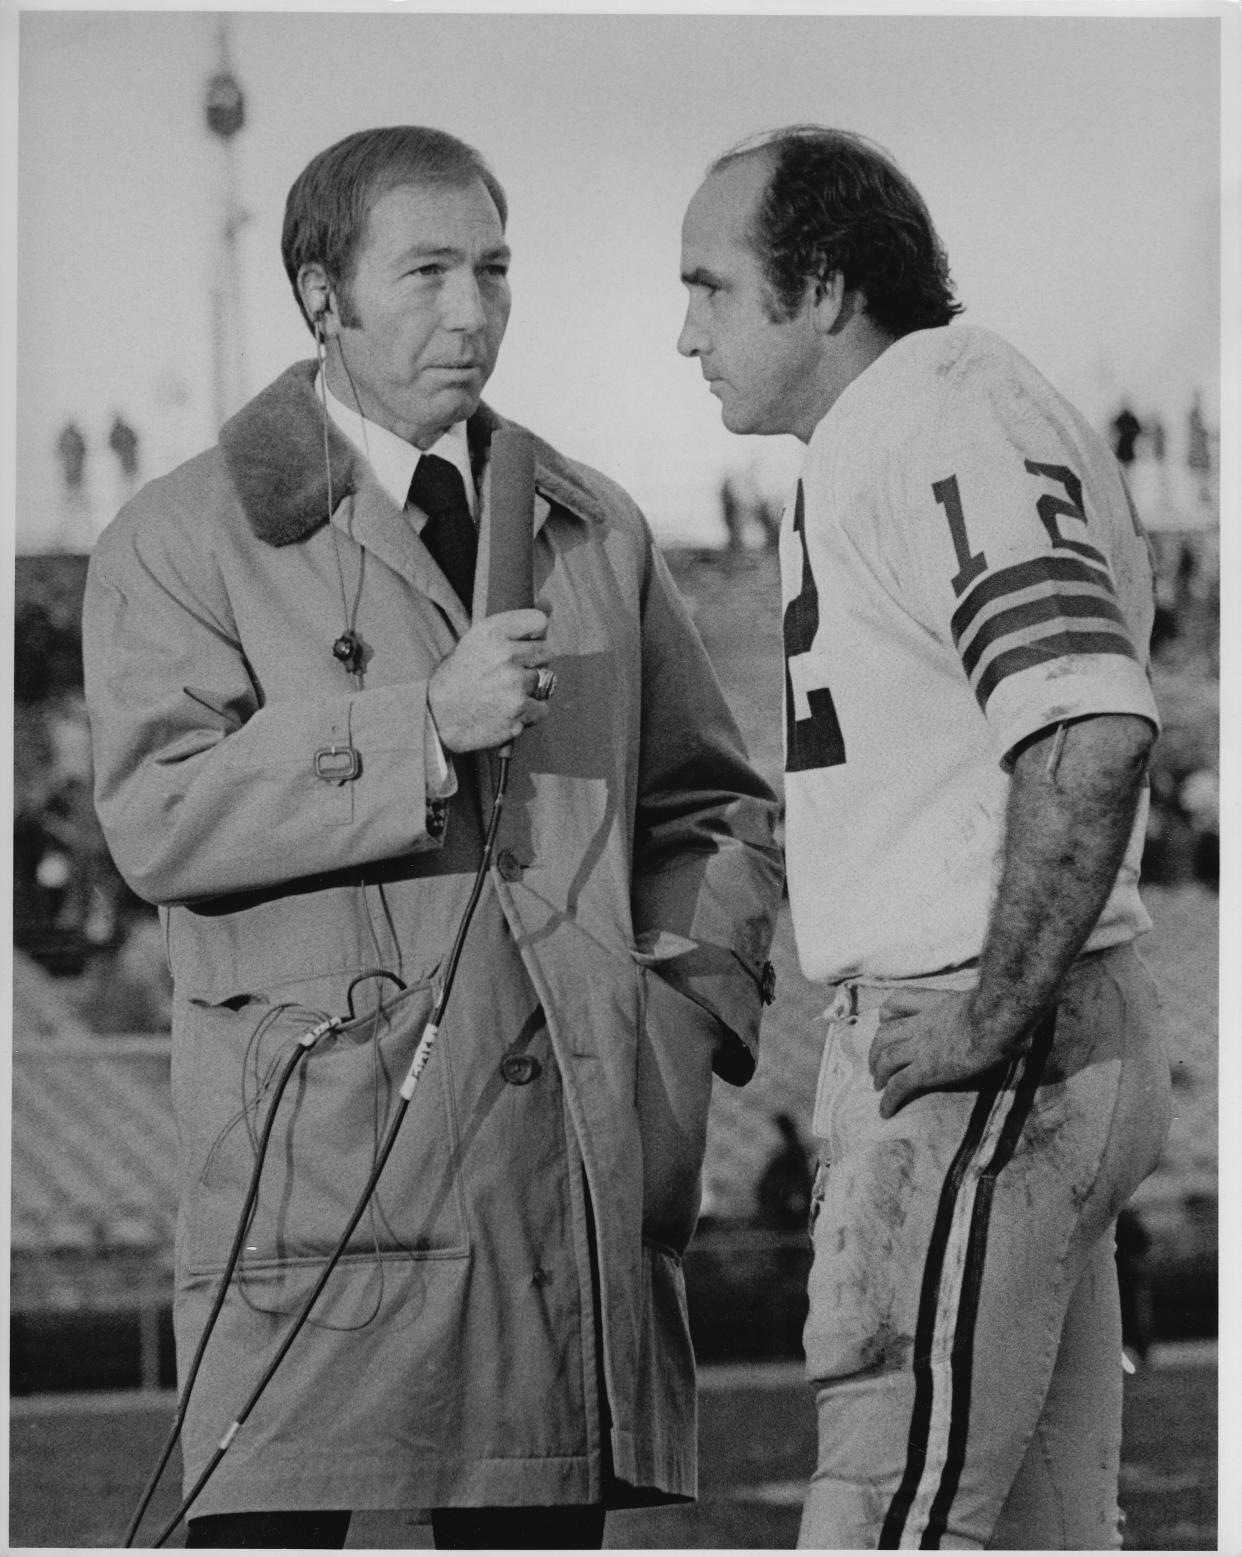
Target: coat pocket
676,1040
329,1126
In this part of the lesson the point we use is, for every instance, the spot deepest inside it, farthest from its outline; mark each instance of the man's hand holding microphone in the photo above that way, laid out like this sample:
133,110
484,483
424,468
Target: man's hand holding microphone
495,683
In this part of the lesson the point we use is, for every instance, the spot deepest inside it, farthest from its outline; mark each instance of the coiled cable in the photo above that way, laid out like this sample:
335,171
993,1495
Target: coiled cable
422,1054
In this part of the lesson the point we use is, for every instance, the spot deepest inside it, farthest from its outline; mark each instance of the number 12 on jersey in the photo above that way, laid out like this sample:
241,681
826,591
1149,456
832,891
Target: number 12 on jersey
812,732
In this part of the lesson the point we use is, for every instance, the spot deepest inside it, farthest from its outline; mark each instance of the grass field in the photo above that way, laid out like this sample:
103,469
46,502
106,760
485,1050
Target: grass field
78,1467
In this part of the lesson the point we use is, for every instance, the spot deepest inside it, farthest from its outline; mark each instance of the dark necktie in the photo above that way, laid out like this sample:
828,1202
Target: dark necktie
449,534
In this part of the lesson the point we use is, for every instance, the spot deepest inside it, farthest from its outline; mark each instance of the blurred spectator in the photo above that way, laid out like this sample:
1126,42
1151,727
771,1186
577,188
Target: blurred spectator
1183,822
768,517
731,513
1183,831
1134,1279
783,1192
1158,439
750,518
123,441
1187,582
1200,802
71,452
1126,429
1199,453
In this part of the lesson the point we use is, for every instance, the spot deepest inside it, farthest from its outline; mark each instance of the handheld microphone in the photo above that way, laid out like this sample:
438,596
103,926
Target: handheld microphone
506,536
506,539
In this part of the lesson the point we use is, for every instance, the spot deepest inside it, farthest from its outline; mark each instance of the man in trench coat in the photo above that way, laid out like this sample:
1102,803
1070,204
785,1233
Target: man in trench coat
295,718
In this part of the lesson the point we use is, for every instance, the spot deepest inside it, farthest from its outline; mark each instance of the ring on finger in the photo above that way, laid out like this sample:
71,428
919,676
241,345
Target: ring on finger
545,684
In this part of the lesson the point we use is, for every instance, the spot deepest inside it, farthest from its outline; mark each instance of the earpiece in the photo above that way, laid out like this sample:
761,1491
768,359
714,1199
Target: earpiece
315,292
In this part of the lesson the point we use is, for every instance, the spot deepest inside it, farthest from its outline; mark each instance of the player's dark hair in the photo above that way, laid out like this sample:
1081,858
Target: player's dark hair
837,202
331,199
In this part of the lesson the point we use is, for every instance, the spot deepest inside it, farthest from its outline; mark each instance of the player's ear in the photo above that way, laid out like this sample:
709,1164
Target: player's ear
831,302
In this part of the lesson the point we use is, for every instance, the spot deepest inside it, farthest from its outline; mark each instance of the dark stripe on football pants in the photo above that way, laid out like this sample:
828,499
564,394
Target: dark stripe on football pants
925,1324
933,1270
962,1365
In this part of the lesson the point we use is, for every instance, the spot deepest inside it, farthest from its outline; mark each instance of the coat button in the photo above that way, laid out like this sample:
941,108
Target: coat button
518,1069
509,866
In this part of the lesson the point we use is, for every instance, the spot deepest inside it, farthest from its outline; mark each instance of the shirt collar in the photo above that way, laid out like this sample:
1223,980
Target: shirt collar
392,459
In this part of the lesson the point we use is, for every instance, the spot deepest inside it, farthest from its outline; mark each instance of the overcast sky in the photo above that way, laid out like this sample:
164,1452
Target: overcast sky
1070,161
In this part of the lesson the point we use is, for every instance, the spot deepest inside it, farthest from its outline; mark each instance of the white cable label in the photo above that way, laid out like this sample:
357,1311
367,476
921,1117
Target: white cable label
421,1055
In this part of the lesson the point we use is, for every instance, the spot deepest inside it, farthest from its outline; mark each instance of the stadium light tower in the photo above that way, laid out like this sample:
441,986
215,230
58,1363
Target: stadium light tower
225,107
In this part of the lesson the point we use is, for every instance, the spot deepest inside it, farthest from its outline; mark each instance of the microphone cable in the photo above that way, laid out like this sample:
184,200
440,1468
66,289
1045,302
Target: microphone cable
422,1054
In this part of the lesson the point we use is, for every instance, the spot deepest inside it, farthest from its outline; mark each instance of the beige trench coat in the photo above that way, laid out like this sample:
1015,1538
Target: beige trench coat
509,1322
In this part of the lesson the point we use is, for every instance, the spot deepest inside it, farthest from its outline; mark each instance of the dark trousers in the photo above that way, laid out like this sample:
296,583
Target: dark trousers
454,1529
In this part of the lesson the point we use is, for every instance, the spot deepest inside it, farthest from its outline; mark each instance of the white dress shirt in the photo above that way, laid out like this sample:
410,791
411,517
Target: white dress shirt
394,460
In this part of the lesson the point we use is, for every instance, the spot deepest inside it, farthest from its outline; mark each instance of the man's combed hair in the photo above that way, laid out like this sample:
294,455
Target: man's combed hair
328,206
836,202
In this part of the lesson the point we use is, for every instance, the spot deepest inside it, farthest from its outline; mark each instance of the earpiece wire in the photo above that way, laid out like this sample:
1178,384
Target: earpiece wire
321,351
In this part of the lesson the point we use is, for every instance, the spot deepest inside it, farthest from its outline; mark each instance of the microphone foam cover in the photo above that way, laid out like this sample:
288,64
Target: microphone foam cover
509,540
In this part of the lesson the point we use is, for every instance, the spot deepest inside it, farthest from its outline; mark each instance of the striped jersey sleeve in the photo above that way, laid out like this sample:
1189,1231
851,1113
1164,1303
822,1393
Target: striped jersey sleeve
1032,562
1035,611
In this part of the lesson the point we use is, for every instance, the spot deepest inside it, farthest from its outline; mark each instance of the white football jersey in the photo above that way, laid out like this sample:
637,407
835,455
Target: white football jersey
961,569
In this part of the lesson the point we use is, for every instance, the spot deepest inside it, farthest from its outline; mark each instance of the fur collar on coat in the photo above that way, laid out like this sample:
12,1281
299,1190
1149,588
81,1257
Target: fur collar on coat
274,451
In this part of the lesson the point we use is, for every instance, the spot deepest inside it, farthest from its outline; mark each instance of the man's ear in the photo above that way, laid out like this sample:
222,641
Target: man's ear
318,297
833,305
